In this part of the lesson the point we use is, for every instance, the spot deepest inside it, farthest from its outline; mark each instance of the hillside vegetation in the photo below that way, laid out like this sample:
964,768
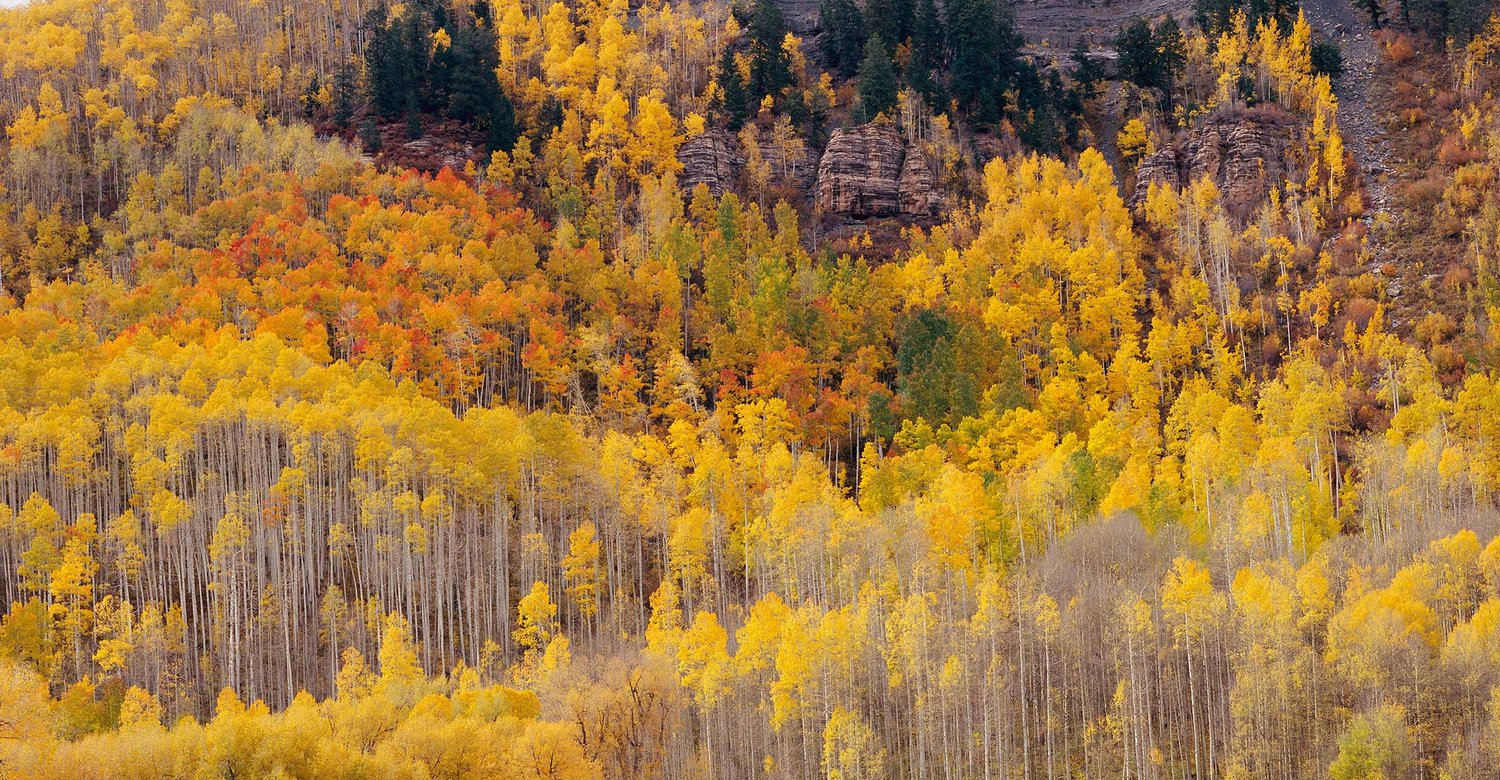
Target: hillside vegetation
314,465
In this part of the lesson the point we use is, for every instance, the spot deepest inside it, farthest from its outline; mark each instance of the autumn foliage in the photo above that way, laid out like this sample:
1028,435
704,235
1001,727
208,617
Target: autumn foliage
316,468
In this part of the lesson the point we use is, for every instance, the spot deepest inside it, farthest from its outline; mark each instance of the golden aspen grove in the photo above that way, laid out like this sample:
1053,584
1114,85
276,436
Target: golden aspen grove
390,390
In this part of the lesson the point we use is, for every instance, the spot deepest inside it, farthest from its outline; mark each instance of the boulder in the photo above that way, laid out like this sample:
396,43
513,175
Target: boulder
860,171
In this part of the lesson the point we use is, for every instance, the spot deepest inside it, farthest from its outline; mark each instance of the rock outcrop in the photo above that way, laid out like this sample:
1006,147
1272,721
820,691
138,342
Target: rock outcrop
917,188
712,158
869,171
1243,153
1160,167
860,171
864,172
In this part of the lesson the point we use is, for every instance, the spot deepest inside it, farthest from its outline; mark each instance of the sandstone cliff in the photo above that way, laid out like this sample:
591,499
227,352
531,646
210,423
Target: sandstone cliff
865,172
713,158
869,171
860,170
1244,153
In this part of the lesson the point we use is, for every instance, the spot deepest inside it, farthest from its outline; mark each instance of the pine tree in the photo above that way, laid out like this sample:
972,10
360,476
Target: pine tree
1171,56
310,98
843,35
985,48
369,135
881,21
926,52
1374,10
905,12
475,93
1086,72
344,94
927,37
877,81
1135,51
769,69
733,100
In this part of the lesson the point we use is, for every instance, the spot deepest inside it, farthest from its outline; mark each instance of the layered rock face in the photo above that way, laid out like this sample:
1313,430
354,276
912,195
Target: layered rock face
859,172
1245,155
917,187
868,171
865,172
713,158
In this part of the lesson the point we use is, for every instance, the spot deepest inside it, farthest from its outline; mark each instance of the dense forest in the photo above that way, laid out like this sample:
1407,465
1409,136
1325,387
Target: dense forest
315,464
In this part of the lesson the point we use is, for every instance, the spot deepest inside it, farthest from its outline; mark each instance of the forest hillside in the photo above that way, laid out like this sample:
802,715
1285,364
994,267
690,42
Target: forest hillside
886,389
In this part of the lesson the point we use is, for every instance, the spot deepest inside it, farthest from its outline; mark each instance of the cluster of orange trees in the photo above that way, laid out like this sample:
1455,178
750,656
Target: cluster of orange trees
313,469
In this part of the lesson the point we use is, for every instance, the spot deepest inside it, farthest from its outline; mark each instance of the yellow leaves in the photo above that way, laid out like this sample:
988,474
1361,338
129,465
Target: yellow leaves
1134,141
355,680
703,661
1474,645
536,619
1266,602
952,510
1375,629
557,656
759,637
794,671
139,708
72,582
922,281
1189,601
400,671
1055,245
43,127
656,139
851,749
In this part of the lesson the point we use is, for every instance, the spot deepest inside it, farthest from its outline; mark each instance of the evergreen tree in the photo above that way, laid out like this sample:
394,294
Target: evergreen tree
1214,16
877,81
1135,50
1171,56
412,72
1327,60
881,21
733,100
905,12
926,51
1037,122
985,48
383,64
344,90
769,70
843,36
475,93
414,123
1087,72
396,61
1374,10
1152,59
310,98
369,135
927,37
